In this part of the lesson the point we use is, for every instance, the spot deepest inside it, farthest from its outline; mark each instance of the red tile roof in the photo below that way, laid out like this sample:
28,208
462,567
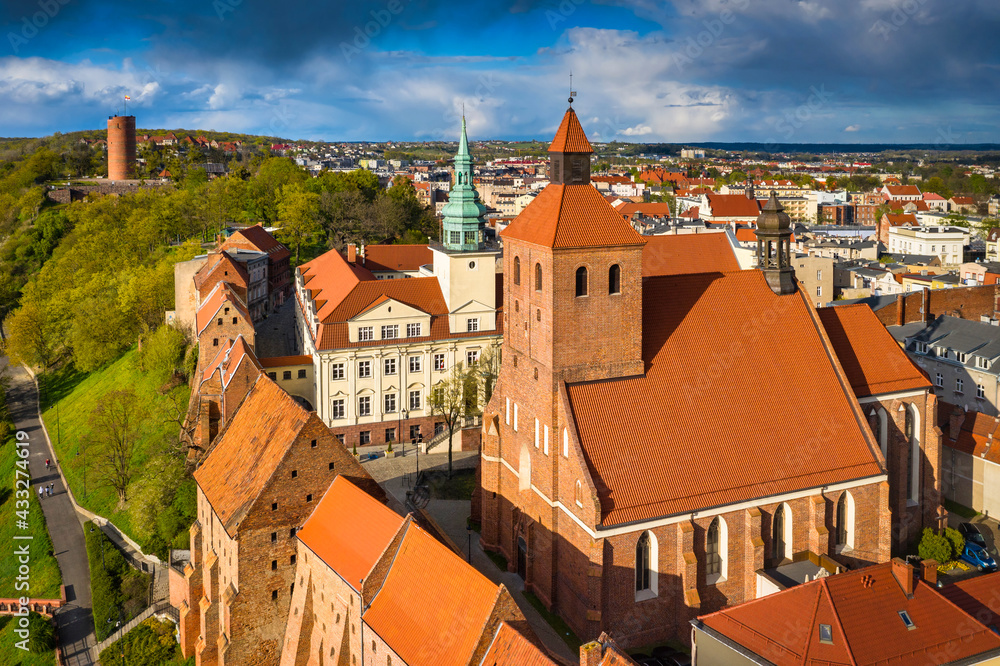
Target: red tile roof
688,253
221,295
277,361
396,257
259,238
903,190
570,137
511,647
245,456
873,361
931,196
744,235
718,332
977,435
454,601
978,597
963,201
899,219
349,530
564,216
222,267
231,355
651,209
733,205
330,278
862,609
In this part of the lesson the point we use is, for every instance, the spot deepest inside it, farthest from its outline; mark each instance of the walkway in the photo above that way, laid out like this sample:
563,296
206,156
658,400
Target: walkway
75,619
451,517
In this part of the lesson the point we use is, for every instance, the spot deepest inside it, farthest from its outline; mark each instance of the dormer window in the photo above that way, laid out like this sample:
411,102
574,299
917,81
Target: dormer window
960,356
982,363
920,347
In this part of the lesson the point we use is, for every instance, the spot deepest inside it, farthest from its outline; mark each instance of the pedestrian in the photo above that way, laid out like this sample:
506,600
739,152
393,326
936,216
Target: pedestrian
51,488
46,464
41,492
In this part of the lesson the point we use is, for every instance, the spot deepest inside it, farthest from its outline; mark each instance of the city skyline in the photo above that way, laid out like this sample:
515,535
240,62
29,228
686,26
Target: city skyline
768,71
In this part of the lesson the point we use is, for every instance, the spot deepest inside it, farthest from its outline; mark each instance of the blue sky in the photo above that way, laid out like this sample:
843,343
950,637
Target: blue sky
841,71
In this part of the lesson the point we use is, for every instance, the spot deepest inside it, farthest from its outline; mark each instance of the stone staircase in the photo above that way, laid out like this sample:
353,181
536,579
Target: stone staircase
465,423
160,607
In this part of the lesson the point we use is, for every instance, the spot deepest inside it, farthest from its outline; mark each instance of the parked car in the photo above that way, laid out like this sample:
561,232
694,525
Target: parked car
978,557
973,533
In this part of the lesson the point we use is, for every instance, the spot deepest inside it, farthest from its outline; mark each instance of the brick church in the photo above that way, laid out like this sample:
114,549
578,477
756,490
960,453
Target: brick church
658,435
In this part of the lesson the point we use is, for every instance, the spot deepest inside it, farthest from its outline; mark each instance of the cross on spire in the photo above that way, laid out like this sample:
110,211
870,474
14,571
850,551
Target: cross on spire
572,93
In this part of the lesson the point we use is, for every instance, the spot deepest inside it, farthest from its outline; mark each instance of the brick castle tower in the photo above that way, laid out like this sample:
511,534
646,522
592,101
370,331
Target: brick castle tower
121,147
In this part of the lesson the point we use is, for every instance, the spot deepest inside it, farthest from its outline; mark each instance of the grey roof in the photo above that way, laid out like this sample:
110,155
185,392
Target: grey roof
873,273
975,338
912,258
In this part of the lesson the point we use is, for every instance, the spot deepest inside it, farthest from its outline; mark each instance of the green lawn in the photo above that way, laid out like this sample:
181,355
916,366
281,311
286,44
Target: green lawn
12,656
961,510
45,577
458,487
68,399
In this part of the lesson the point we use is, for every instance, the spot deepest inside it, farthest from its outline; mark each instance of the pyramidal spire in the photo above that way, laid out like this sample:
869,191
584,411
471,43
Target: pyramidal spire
463,143
463,214
569,152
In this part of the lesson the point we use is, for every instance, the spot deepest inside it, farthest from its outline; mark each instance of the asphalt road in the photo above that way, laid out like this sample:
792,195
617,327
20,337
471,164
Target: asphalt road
75,620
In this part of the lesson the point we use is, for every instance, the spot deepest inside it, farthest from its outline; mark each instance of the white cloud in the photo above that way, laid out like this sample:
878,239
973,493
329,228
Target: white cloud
638,130
852,128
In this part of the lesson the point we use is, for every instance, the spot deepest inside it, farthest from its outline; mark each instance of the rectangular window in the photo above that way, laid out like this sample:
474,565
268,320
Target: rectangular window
413,330
302,374
390,366
819,275
537,433
337,371
472,324
286,374
414,400
921,347
390,331
819,290
515,417
338,411
545,440
365,437
507,417
390,434
390,403
366,333
416,363
365,405
364,369
455,237
414,431
960,357
340,438
939,380
439,364
472,357
273,376
982,363
958,385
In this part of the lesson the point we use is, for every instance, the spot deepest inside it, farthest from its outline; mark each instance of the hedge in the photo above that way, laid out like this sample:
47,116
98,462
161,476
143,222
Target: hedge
114,584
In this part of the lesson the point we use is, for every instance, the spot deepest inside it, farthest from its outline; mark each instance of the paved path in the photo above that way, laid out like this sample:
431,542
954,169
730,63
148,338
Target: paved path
75,620
451,516
275,336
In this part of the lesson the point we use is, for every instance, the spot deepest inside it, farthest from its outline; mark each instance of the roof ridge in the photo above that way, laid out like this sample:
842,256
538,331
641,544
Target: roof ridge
836,616
407,523
815,615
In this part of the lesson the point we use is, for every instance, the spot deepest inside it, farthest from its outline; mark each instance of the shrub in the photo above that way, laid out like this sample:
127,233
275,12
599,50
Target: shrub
118,592
956,540
152,643
42,634
934,547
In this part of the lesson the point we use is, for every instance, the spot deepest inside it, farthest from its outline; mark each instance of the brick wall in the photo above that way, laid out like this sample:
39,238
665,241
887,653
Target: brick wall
224,326
966,302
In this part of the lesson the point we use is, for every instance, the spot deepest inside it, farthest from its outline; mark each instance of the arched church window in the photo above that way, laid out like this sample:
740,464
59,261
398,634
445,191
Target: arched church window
517,270
615,279
581,281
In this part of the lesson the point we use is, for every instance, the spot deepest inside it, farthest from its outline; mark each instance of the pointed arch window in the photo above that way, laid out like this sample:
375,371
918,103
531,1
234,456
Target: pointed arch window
517,270
716,551
578,493
645,566
845,522
883,433
615,279
912,431
581,281
781,533
538,277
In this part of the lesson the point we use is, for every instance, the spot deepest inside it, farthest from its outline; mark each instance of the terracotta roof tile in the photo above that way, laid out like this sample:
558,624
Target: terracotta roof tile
978,597
454,599
648,439
898,219
257,237
222,294
512,648
565,216
903,190
275,361
396,257
653,209
245,456
570,137
864,619
217,265
330,275
750,235
688,253
733,205
349,530
231,354
873,361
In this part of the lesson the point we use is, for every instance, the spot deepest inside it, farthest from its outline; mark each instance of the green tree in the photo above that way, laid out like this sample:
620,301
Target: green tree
31,338
934,547
299,213
453,399
116,426
956,540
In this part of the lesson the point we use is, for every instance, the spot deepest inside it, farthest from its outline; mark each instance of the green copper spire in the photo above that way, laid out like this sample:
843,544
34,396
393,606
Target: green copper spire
463,214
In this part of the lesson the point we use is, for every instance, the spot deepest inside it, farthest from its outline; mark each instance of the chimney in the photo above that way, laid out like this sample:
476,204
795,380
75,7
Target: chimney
590,654
900,309
955,422
352,253
903,573
929,573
